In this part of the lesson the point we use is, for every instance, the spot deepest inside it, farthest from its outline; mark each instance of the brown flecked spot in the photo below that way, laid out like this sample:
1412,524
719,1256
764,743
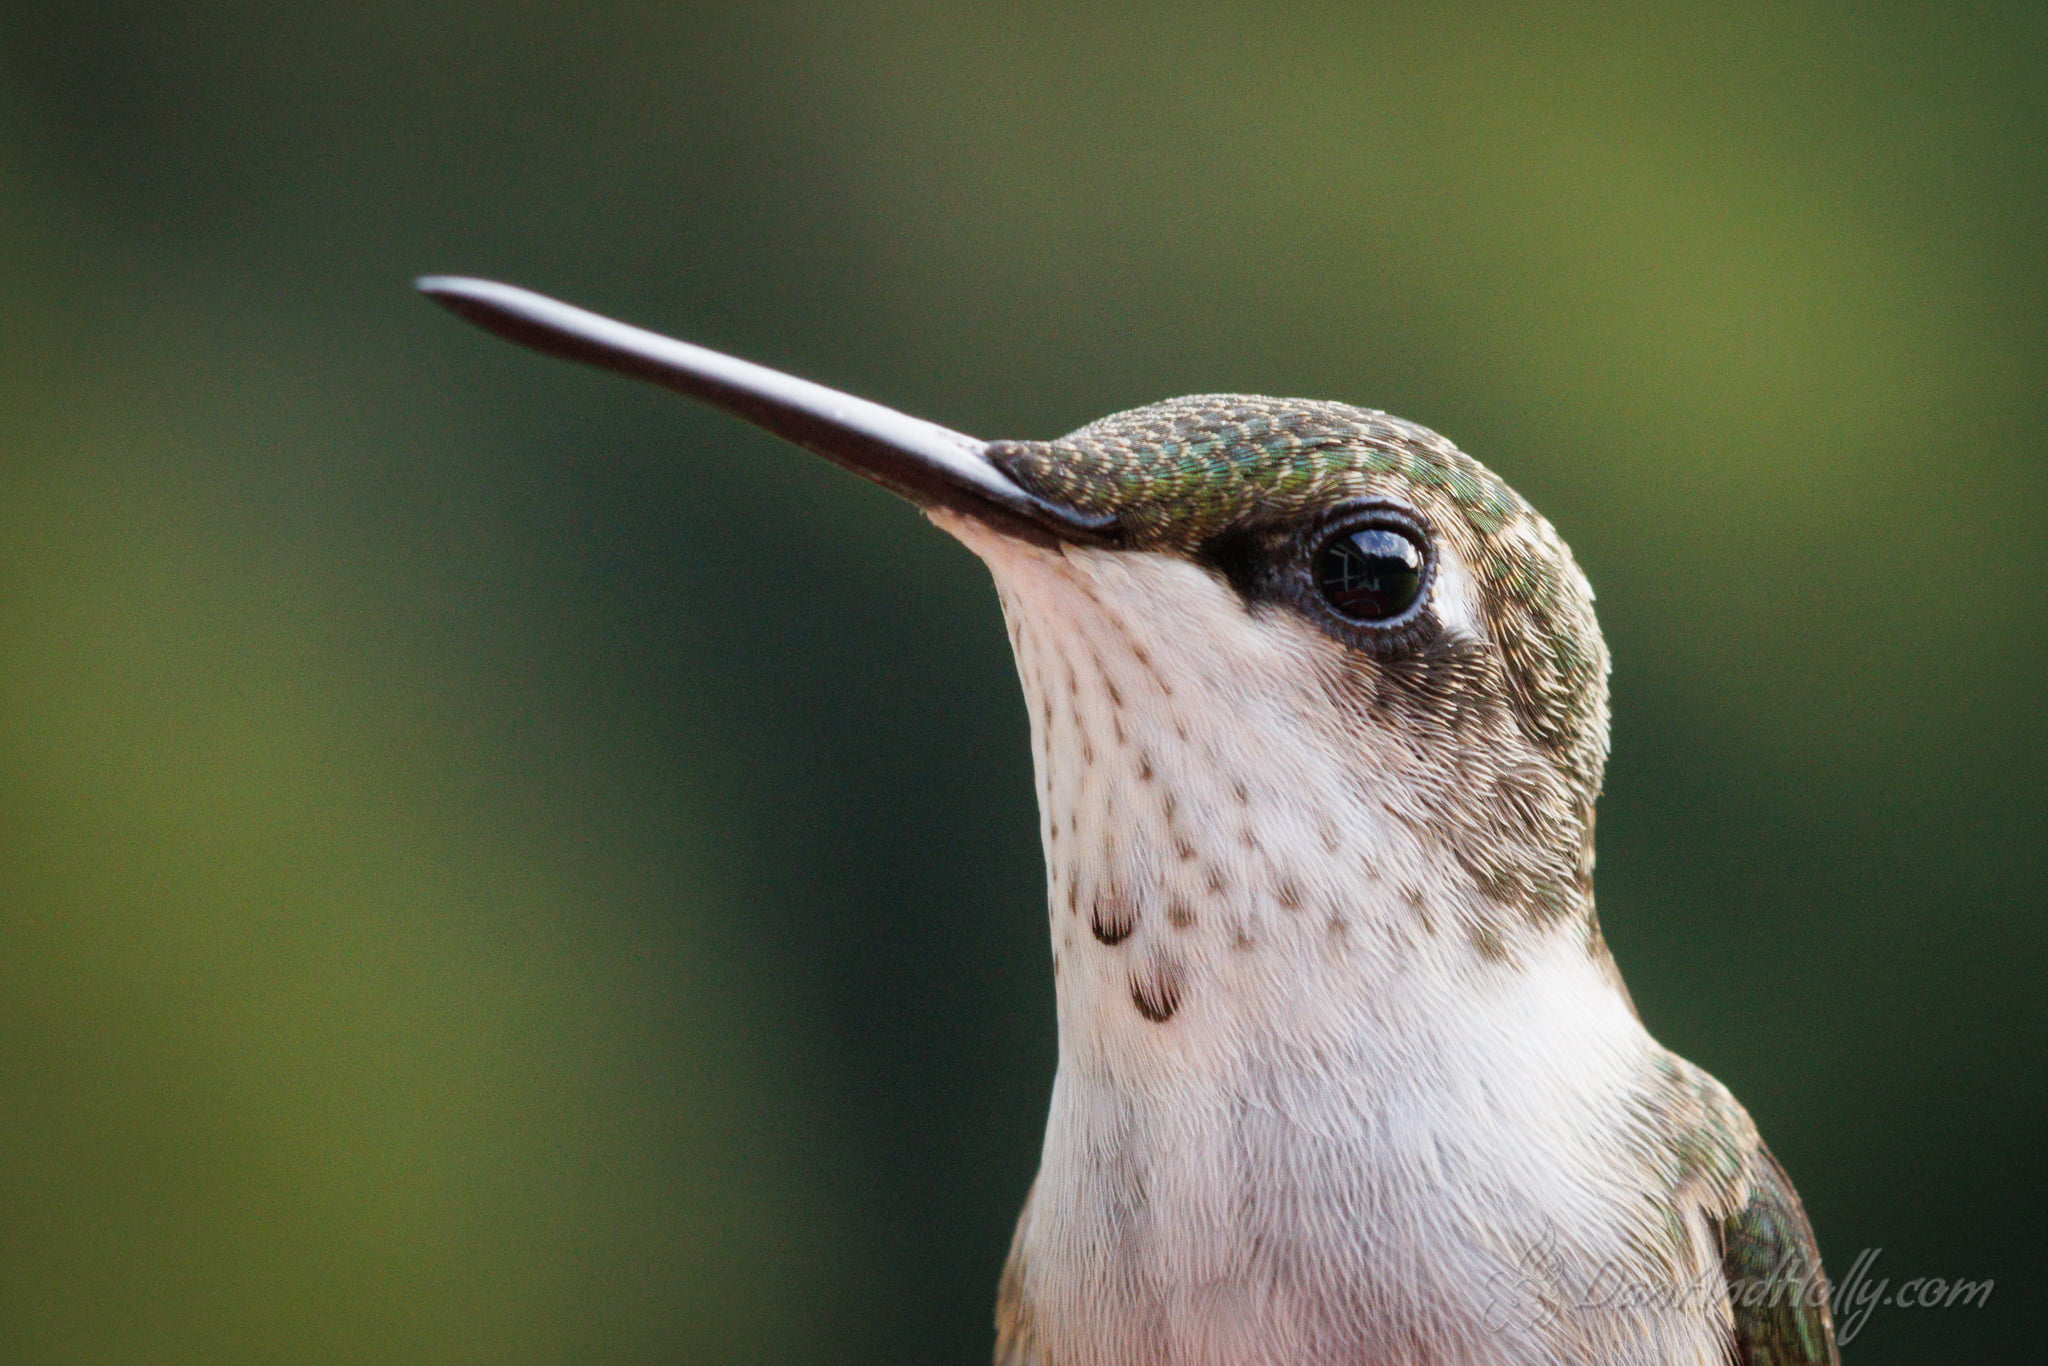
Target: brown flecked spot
1423,916
1116,699
1156,994
1145,774
1113,918
1489,944
1240,794
1183,850
1241,940
1215,881
1326,830
1505,886
1248,838
1179,914
1288,893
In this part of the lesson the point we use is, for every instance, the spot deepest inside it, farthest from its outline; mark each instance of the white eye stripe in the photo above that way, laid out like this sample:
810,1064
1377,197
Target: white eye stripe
1453,596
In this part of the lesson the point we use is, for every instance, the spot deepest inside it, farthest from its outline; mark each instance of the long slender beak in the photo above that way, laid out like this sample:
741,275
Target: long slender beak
932,466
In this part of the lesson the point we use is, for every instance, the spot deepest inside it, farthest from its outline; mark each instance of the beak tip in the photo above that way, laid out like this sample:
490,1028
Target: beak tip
459,294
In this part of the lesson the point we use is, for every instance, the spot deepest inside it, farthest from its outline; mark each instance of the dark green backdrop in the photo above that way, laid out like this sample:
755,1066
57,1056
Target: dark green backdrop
500,866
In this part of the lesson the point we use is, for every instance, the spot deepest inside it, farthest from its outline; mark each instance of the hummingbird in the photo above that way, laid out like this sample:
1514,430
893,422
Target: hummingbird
1347,1073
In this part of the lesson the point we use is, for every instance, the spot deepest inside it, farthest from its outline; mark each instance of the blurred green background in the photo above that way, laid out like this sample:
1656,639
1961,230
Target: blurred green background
499,865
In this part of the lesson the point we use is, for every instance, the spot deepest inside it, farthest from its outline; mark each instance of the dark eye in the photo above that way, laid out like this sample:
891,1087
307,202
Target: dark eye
1371,572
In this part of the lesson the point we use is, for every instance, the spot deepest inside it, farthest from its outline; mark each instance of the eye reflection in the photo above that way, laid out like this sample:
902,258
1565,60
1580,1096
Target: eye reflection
1370,573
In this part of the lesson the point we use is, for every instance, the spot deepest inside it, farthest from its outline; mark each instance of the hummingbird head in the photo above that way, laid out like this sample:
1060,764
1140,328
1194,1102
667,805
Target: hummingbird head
1325,661
1455,607
1301,675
